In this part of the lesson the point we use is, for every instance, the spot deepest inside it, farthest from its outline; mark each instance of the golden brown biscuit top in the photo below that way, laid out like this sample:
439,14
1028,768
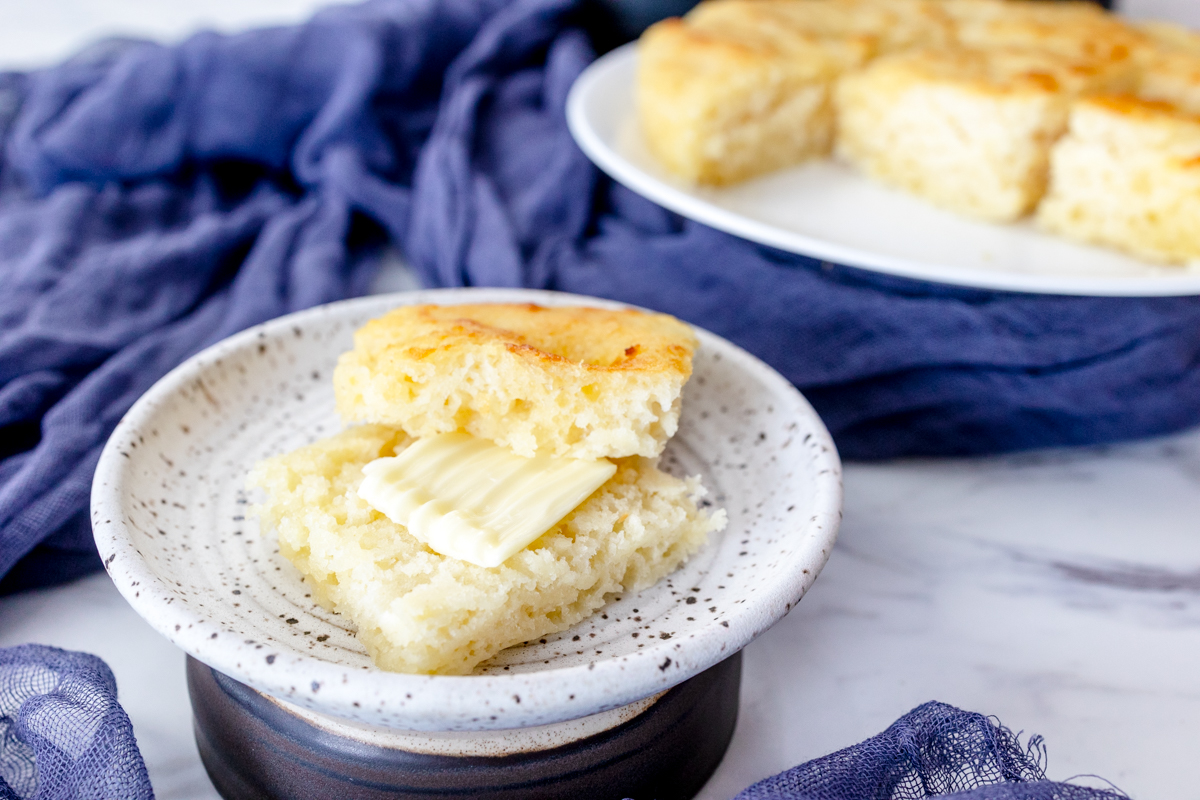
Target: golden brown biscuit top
1170,37
1075,28
784,25
1004,70
1070,45
597,339
1154,129
1170,70
1139,109
687,54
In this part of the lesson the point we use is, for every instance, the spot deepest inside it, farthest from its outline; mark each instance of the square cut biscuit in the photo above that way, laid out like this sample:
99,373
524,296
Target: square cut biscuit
1127,175
420,612
565,381
739,88
719,107
969,130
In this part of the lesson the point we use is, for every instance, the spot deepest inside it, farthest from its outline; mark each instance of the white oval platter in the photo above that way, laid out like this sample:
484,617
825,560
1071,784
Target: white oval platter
826,210
171,521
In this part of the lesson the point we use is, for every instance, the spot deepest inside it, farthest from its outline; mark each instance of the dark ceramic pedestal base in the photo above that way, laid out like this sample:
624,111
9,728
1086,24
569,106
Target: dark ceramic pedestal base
254,748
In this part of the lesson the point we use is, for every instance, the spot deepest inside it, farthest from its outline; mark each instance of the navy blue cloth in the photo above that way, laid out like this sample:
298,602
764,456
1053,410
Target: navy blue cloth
63,735
156,199
935,750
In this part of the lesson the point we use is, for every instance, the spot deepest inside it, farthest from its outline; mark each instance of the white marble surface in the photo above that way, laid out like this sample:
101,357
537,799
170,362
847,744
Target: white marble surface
35,34
1059,591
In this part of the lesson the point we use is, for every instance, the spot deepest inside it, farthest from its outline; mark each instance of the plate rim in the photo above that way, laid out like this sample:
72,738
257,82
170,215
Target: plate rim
189,630
598,75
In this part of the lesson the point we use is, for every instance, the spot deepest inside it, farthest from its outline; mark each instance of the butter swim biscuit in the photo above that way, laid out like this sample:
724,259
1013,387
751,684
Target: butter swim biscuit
738,88
498,490
576,382
1127,175
970,130
420,611
718,107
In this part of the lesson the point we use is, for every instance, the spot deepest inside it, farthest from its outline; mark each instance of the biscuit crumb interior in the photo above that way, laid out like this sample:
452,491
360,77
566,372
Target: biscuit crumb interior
420,612
1128,175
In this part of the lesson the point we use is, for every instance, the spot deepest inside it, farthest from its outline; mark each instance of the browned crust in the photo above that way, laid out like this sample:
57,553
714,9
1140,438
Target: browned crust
598,340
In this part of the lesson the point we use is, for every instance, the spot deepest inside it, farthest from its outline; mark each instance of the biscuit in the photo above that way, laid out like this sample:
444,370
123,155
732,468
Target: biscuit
1128,175
717,107
420,612
565,381
969,130
739,88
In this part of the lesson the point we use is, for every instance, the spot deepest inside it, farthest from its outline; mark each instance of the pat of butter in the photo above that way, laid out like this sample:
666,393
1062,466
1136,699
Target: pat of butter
470,499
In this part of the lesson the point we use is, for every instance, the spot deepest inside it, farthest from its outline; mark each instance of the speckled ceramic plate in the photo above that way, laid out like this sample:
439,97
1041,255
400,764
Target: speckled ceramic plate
169,515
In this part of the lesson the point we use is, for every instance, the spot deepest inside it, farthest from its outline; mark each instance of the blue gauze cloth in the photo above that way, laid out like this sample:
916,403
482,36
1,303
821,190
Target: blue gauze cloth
156,199
935,750
63,736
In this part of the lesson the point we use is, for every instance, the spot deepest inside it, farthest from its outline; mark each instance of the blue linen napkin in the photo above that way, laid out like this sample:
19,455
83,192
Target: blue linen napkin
156,199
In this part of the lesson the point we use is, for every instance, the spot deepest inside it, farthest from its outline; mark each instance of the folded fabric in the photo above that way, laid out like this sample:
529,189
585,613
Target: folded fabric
156,199
63,735
935,750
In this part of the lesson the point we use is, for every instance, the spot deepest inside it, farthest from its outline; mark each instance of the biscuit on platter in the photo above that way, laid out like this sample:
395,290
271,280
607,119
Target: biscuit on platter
418,611
970,130
739,88
721,106
1128,175
578,382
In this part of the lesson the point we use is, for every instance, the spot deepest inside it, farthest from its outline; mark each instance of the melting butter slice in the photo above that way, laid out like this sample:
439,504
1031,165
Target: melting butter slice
470,499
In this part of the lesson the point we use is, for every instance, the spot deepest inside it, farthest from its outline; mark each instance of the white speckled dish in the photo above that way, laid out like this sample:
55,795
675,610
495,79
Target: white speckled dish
169,515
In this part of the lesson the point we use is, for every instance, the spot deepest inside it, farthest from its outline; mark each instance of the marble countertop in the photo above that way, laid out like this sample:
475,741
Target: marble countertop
1059,591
